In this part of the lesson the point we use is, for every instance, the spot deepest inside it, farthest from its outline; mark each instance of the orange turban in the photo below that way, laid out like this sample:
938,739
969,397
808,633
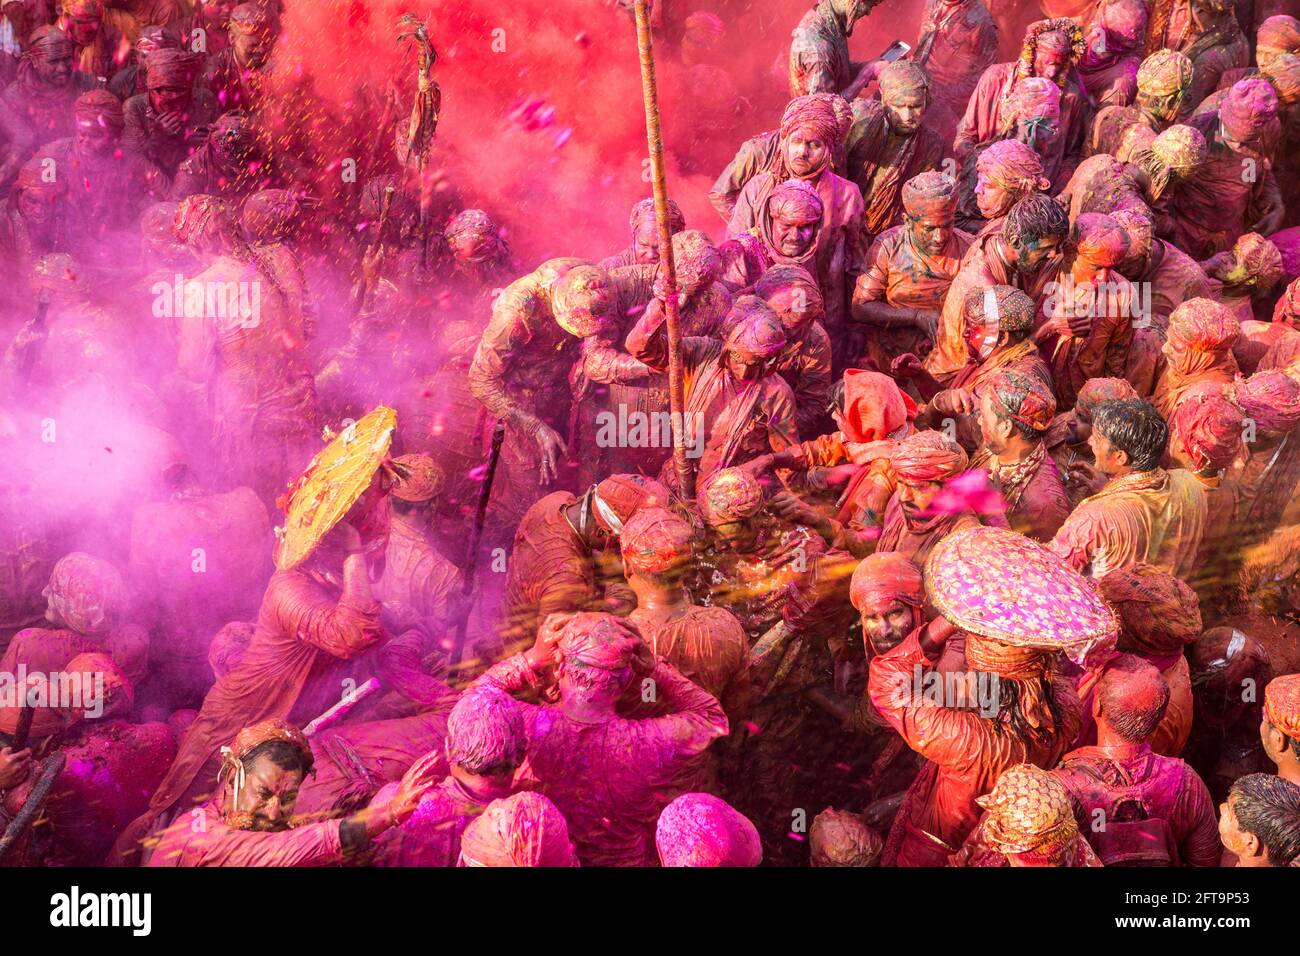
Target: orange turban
881,579
1209,428
1282,704
1158,613
655,540
525,829
928,456
875,408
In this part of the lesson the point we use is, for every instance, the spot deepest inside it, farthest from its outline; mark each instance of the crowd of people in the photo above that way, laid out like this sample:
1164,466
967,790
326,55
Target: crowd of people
973,540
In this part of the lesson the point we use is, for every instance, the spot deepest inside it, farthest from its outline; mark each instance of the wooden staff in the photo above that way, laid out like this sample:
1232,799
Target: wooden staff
48,773
676,388
476,540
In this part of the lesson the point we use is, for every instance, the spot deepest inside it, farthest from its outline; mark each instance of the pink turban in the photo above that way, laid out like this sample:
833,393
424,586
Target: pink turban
100,107
472,236
1012,164
875,408
928,456
785,277
754,330
699,829
827,115
794,201
881,579
696,260
1271,400
644,212
202,218
729,495
1209,428
655,540
1248,110
525,829
1158,613
931,194
1203,325
87,593
1100,240
47,43
599,640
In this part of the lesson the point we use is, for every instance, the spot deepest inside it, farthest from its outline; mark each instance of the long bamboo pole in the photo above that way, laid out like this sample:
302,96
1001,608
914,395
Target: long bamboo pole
676,388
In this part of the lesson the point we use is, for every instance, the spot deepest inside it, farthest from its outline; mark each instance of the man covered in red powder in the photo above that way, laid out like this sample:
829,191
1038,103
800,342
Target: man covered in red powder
248,821
1015,411
1235,191
1036,713
609,776
958,41
554,565
232,163
1197,351
38,104
1115,43
1151,810
1206,32
237,75
810,134
913,527
785,234
911,268
890,142
819,50
169,121
98,48
1144,514
644,250
485,745
1163,97
1051,51
805,362
1280,730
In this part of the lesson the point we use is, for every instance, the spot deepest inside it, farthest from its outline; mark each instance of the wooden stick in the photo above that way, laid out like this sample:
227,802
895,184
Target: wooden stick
51,767
676,387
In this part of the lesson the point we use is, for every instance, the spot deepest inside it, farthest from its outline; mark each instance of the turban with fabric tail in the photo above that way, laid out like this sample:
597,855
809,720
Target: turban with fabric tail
729,495
928,456
881,579
1158,614
1270,399
618,497
87,593
166,67
420,478
840,838
753,329
1100,240
931,195
875,408
644,212
525,829
1182,149
1014,310
1013,165
699,829
1209,428
1164,73
583,300
100,107
1282,704
1203,325
1022,398
654,540
902,78
599,640
1029,811
1280,32
1249,110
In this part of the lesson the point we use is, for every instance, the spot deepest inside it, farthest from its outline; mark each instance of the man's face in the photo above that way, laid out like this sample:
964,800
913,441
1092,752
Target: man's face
905,111
1238,842
981,336
792,307
83,29
793,239
36,205
1089,273
55,70
931,233
170,99
269,794
993,198
805,153
732,535
994,430
885,625
855,10
1110,460
1051,62
1079,429
1031,254
96,137
234,143
915,499
746,367
645,242
252,49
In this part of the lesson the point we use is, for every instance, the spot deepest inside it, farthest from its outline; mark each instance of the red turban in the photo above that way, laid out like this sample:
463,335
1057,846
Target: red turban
881,579
1271,400
1279,32
875,408
1022,398
753,329
1209,428
1203,325
1158,613
525,829
1033,100
928,456
1282,704
100,107
47,43
619,497
599,640
655,540
1098,390
86,593
930,195
1248,110
1100,240
699,829
485,731
420,478
168,67
794,201
828,119
839,838
729,495
1012,164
